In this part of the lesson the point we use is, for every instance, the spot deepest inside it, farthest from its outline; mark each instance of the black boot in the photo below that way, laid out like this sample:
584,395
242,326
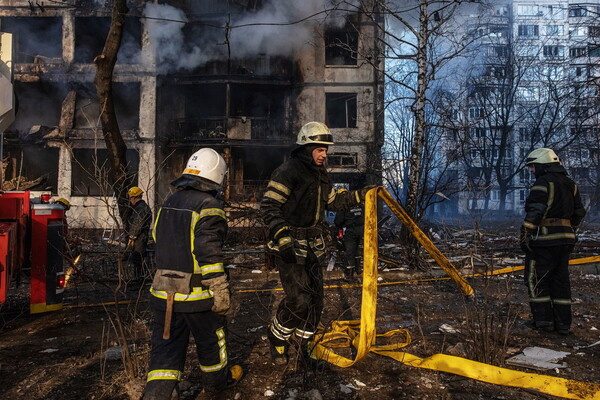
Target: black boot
308,359
358,267
278,349
349,273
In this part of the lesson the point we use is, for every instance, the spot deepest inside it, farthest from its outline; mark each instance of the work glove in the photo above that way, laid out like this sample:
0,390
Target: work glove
219,287
524,237
285,242
362,193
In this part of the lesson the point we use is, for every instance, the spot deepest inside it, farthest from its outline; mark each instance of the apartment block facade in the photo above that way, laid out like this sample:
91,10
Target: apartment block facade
535,85
248,107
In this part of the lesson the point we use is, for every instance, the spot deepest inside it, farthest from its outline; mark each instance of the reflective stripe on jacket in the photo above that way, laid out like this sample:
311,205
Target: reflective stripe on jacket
189,232
553,209
297,196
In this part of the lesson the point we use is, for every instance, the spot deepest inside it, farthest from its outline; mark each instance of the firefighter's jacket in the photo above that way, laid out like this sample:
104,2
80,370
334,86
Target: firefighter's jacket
296,198
189,232
139,225
352,219
553,209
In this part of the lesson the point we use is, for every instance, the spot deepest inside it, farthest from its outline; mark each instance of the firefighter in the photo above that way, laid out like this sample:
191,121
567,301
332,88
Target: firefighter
72,244
190,290
353,223
553,211
64,203
138,228
293,207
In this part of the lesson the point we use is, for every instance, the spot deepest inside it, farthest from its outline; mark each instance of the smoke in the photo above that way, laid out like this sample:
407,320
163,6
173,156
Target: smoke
279,37
279,28
167,39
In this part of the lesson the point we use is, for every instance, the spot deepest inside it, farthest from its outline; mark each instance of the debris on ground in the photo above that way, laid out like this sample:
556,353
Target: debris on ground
539,358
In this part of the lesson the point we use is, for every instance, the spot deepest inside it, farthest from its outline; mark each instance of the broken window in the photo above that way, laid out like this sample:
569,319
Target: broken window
126,97
341,46
250,170
90,35
36,39
31,167
341,110
262,106
196,111
342,160
89,169
39,105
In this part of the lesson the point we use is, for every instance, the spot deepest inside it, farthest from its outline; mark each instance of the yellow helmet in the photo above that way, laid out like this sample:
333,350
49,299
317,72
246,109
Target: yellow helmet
64,202
342,190
134,192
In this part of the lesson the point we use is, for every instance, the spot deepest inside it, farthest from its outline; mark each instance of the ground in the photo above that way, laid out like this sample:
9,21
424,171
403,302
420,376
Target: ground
73,353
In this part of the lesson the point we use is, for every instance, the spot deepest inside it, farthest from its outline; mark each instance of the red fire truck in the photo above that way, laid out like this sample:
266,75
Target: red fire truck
32,233
32,238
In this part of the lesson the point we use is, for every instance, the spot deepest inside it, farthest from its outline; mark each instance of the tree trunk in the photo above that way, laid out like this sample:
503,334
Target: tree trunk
416,153
105,63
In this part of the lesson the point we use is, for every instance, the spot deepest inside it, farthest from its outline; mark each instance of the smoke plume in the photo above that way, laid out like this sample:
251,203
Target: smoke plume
280,27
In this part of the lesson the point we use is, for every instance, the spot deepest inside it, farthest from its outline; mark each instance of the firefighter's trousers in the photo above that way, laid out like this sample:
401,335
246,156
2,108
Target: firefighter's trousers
352,239
137,259
548,285
300,310
167,358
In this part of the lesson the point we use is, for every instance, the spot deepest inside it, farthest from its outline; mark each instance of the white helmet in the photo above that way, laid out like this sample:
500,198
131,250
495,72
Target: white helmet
314,133
542,156
208,164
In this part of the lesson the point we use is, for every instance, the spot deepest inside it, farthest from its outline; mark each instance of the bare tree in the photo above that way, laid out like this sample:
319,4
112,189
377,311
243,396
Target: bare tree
420,39
105,63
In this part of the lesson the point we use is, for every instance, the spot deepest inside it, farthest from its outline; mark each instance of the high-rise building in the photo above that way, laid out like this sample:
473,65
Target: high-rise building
534,85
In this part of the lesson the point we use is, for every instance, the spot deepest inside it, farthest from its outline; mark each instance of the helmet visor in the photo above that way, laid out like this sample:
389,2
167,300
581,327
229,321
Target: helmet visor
326,137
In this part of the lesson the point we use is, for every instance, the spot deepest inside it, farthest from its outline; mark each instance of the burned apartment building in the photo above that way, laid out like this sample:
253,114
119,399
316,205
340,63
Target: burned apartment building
178,86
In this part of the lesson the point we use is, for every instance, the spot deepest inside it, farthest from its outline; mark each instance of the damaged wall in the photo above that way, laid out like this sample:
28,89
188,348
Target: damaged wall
179,87
58,110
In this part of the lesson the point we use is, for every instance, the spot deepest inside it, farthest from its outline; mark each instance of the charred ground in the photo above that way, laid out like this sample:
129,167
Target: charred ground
74,353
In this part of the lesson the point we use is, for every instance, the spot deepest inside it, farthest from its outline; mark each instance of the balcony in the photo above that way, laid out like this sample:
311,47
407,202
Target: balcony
223,129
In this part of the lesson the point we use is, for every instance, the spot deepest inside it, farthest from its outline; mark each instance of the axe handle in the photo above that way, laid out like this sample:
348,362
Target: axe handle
168,316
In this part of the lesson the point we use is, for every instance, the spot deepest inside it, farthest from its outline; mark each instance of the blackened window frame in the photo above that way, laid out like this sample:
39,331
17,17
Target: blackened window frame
341,109
33,161
341,46
87,163
346,160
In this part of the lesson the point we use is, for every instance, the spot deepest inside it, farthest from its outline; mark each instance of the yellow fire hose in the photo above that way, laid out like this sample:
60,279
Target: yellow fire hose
363,337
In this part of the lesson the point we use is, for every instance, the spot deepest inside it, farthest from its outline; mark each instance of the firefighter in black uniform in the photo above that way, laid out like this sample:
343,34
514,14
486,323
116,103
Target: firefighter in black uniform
293,207
553,211
190,290
138,228
353,220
